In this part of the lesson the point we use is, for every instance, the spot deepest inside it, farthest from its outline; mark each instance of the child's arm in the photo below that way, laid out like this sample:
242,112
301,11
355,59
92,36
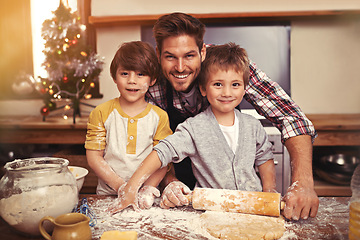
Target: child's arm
97,162
268,176
128,195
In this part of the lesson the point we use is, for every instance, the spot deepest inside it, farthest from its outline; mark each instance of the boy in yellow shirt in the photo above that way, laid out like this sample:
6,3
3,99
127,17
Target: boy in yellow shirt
122,132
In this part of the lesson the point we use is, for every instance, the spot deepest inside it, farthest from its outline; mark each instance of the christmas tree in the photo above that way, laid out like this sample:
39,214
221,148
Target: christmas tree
73,68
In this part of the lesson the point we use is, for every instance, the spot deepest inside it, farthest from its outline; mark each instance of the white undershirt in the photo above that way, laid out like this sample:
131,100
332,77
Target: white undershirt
231,134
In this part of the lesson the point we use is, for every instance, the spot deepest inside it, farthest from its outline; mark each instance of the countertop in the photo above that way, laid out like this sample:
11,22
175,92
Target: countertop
331,222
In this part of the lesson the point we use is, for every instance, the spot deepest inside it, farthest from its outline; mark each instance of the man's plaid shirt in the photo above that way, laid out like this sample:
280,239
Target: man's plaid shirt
267,97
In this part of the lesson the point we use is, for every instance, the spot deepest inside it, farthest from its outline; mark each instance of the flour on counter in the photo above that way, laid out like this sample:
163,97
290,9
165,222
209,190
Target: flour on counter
153,223
157,223
323,225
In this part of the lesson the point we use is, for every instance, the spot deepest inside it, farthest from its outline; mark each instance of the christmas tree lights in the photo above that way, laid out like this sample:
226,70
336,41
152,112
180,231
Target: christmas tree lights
73,68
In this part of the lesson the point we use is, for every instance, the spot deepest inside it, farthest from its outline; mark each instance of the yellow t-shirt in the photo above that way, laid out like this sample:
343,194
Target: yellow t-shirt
126,140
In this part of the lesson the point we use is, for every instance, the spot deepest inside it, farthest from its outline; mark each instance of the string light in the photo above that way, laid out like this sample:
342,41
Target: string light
67,107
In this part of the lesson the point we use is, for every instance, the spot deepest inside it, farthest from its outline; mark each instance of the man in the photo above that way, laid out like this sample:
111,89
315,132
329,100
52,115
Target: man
181,50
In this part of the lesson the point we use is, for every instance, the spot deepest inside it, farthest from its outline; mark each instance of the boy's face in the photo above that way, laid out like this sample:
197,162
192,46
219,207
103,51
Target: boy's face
180,61
132,85
224,90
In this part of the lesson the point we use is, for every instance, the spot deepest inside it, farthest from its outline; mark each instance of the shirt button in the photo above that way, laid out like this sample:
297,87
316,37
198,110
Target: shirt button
132,120
131,137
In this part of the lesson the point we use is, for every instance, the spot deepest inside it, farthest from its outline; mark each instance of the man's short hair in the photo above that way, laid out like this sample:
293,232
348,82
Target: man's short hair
177,24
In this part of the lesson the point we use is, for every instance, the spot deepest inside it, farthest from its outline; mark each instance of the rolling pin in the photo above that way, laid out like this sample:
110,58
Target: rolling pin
225,200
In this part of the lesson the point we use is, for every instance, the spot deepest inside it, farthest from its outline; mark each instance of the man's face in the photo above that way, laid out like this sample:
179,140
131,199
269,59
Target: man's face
180,61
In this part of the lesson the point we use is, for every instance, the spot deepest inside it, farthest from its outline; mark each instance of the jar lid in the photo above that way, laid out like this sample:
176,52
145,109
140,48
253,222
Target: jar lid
40,163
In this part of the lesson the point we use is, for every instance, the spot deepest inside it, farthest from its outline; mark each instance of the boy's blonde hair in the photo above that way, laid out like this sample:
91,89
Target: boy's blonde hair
225,57
136,56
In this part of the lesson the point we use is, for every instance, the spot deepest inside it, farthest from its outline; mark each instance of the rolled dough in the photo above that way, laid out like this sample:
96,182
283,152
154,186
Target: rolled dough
239,226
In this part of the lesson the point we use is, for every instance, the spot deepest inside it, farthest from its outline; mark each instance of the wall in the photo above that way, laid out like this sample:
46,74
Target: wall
324,52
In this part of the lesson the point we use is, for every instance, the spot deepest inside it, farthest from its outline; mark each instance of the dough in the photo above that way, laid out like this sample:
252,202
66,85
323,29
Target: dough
227,225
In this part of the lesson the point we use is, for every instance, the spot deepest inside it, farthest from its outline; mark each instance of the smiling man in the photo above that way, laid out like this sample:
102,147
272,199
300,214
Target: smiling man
181,50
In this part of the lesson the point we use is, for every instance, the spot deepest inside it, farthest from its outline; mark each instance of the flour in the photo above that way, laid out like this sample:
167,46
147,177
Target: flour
184,224
331,221
153,223
24,211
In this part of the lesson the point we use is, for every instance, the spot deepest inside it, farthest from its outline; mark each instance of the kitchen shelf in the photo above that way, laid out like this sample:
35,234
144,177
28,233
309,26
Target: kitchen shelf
336,133
325,189
150,19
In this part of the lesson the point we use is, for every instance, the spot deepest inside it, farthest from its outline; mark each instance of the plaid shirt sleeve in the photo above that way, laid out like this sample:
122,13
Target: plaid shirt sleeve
272,102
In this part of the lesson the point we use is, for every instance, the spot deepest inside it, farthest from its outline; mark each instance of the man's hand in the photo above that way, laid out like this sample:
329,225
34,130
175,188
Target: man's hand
173,195
146,196
300,202
126,197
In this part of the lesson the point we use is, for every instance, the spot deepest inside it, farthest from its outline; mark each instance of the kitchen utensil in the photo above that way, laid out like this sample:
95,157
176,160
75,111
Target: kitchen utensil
33,188
79,174
260,203
339,163
333,177
86,210
70,226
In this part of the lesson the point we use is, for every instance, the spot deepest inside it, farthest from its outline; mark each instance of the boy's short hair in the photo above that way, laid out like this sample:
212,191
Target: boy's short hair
177,24
136,56
225,57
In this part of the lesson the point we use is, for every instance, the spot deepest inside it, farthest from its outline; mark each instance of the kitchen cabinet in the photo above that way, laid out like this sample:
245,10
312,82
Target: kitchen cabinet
70,138
337,133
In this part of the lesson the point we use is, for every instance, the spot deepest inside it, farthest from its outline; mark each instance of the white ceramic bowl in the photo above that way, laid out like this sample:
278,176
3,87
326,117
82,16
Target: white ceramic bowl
79,174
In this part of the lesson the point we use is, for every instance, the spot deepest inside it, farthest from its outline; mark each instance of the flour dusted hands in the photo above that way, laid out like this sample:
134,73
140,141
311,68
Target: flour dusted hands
174,195
301,201
126,197
146,196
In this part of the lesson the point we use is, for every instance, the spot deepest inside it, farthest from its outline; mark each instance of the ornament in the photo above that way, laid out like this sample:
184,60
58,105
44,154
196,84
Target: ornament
23,85
51,106
45,111
65,47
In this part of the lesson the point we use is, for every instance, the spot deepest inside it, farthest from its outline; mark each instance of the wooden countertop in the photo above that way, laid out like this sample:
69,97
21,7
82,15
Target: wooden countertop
156,223
33,130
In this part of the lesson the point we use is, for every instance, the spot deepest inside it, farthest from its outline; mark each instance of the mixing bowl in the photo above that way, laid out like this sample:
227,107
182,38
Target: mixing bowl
339,163
79,174
336,168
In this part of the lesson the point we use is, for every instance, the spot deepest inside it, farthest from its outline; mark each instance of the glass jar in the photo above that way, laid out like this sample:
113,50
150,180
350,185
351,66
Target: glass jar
354,211
33,188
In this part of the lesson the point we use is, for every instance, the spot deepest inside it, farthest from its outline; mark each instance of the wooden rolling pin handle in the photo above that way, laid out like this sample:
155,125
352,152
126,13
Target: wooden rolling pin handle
282,205
189,197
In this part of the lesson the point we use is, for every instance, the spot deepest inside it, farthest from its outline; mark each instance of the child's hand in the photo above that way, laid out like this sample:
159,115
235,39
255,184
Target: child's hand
146,196
126,197
174,195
